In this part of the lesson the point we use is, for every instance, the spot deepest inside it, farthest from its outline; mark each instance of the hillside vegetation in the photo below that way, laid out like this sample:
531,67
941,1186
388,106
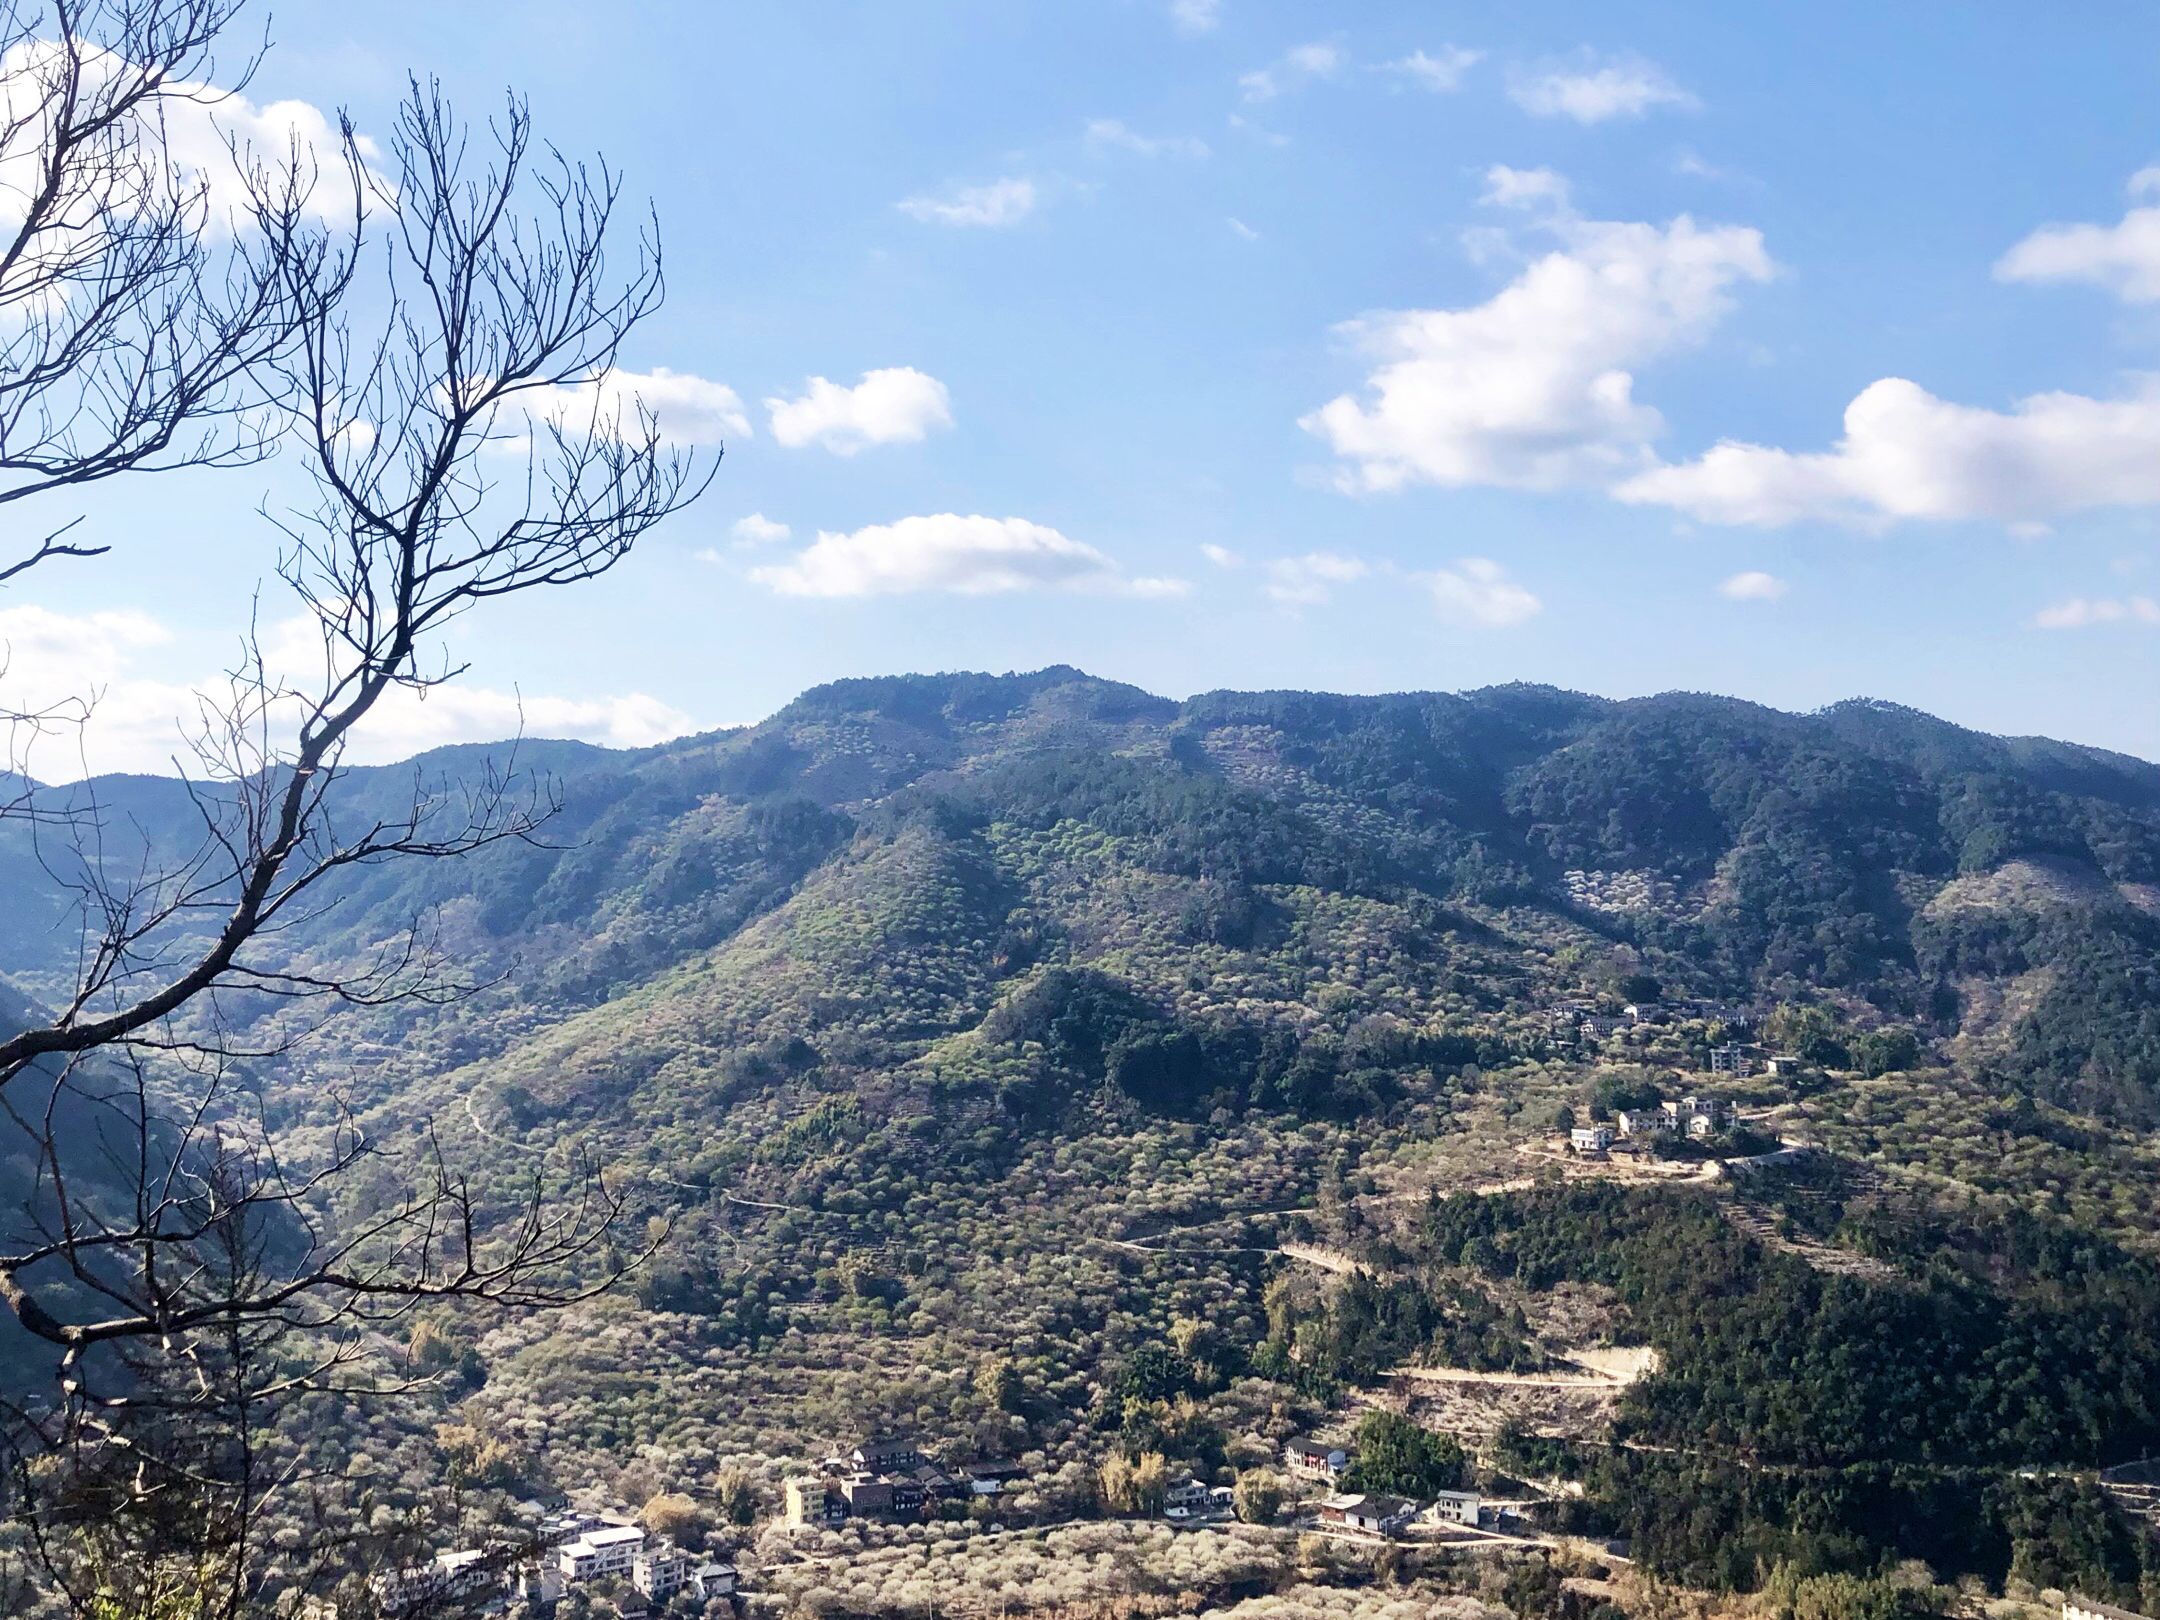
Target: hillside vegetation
978,1043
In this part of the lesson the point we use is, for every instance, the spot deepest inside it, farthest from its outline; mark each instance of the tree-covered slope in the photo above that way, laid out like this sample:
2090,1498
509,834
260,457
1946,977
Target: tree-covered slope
977,1044
1743,852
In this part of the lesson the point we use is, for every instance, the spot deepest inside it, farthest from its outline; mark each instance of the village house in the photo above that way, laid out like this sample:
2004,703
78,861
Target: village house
713,1580
447,1578
1315,1459
895,1496
1713,1012
609,1551
813,1502
537,1584
1694,1115
1590,1138
1454,1507
568,1525
1731,1060
1382,1515
939,1484
887,1454
1187,1497
660,1571
989,1475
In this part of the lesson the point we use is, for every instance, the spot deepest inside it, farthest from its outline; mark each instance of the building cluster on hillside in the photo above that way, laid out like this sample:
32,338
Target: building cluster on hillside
1692,1115
1322,1462
892,1479
570,1549
1579,1018
1385,1515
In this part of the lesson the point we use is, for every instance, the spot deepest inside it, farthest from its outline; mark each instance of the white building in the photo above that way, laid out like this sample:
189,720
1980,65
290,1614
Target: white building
659,1571
1187,1497
1383,1515
1454,1507
449,1577
713,1580
1696,1115
1590,1138
600,1552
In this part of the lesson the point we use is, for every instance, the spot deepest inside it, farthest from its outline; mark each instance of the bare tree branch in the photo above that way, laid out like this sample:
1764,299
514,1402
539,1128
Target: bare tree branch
441,348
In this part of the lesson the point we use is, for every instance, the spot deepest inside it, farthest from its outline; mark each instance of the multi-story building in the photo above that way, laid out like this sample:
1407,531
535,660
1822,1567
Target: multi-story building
814,1502
660,1571
1454,1507
600,1552
888,1454
895,1496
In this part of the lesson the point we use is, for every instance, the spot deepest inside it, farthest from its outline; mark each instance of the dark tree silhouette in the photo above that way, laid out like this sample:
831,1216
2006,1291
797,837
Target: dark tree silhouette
414,325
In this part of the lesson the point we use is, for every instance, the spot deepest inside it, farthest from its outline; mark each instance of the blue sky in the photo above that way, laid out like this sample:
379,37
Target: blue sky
1794,352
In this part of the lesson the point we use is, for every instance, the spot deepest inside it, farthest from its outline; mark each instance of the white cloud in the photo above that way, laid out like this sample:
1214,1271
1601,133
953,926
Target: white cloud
1243,231
1222,556
1626,87
1907,454
971,556
401,725
1307,581
1319,60
1524,188
2078,613
1112,132
1001,202
759,530
200,128
1156,588
2124,257
1478,594
898,405
1297,65
687,410
1531,389
139,722
1754,587
1440,73
1195,16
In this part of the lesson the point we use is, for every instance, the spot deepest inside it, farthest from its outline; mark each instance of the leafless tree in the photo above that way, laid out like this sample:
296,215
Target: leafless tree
441,346
135,319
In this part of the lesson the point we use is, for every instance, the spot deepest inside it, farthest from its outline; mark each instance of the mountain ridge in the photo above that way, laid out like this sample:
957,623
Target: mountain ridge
986,1050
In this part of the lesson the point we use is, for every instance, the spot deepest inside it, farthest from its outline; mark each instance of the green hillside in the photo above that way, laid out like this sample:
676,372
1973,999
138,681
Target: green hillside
980,1042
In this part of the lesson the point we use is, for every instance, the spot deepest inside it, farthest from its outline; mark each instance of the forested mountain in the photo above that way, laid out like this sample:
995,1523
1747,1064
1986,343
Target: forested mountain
978,1041
1866,852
